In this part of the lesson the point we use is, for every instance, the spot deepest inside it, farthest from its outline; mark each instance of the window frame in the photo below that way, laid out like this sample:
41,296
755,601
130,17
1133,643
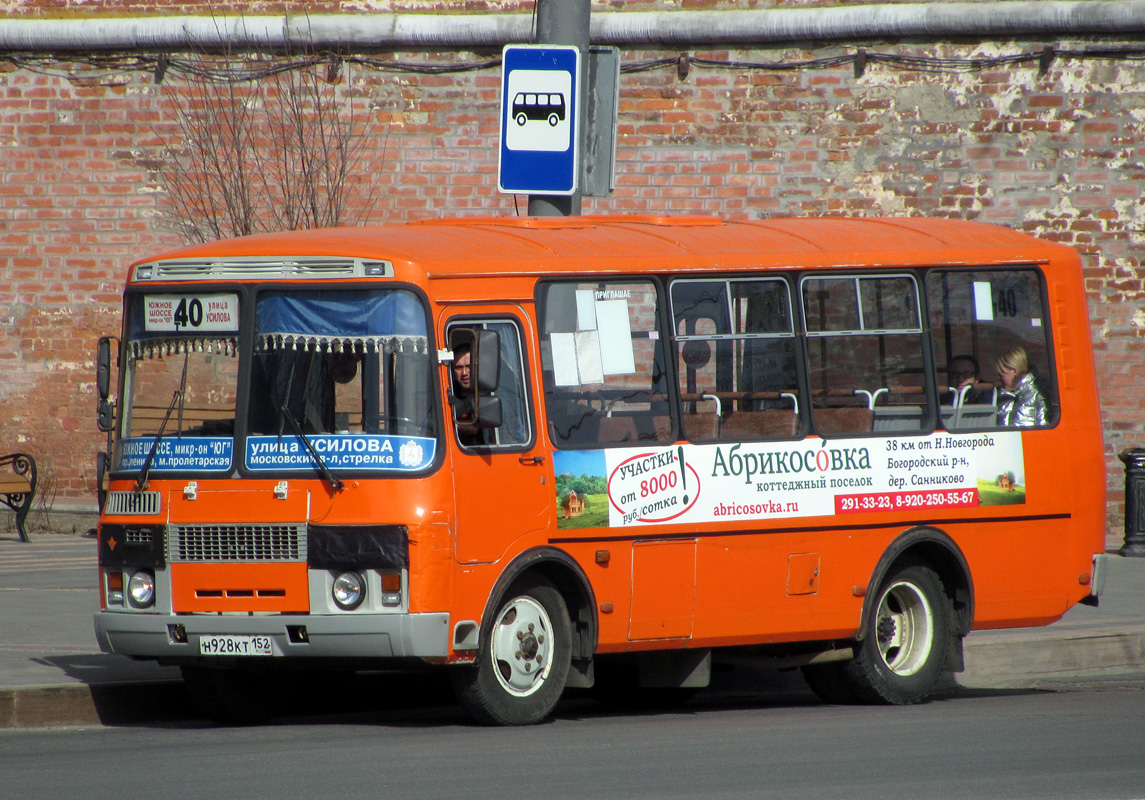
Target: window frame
528,415
928,419
1053,394
661,347
791,334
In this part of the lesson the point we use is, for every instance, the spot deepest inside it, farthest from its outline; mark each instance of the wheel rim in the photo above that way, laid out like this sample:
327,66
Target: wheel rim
521,646
904,628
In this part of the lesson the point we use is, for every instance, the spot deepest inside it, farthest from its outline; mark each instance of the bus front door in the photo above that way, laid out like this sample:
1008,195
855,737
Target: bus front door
502,476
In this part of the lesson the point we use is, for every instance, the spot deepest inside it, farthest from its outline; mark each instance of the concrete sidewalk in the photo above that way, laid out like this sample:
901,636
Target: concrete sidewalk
52,673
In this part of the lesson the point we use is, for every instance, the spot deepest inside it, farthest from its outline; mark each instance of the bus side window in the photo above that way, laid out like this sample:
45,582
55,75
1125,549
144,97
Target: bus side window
976,317
602,358
736,359
865,355
511,390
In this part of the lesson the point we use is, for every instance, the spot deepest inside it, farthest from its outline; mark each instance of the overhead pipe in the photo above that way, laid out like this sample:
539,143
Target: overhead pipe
1052,18
647,29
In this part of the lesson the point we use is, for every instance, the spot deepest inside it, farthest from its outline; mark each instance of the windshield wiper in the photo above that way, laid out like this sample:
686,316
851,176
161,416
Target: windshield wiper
176,398
329,476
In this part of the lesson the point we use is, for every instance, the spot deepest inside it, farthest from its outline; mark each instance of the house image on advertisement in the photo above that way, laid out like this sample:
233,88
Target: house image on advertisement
572,506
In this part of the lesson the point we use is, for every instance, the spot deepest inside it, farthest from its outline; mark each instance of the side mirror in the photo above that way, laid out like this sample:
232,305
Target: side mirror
490,416
105,412
105,416
487,360
103,367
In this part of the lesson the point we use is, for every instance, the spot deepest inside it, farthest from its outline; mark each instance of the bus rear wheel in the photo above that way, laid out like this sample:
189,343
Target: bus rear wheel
524,658
903,651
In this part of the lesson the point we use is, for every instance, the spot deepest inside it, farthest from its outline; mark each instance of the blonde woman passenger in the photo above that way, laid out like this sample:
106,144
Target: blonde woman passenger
1021,404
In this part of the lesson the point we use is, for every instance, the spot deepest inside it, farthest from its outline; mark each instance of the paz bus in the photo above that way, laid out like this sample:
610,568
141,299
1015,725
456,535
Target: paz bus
597,451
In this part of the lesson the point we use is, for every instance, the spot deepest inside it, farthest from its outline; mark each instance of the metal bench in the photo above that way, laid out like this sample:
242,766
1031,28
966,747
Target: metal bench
18,487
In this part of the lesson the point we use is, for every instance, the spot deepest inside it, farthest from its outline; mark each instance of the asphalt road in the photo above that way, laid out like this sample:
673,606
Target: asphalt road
1082,741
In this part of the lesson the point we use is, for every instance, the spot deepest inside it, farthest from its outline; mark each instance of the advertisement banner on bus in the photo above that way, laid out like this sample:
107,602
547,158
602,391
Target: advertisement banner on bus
768,480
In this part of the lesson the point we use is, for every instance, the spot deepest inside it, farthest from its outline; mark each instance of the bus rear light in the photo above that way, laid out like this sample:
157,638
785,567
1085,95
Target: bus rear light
114,581
391,588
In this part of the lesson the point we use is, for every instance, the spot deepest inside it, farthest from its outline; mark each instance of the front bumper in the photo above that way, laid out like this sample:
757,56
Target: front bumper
300,636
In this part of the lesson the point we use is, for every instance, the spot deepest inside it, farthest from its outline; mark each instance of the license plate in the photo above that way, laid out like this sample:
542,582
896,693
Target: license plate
236,646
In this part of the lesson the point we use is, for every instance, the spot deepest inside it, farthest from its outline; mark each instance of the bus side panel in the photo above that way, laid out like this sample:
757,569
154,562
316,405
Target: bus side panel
1051,559
1029,572
783,587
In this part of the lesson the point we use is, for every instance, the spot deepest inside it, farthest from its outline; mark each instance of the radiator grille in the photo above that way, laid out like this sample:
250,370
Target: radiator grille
237,543
123,503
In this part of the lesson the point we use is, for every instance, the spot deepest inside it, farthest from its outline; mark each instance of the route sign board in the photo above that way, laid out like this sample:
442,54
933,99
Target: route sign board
539,121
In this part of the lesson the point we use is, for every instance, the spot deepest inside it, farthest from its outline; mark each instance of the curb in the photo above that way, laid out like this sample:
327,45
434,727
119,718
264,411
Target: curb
1011,661
98,704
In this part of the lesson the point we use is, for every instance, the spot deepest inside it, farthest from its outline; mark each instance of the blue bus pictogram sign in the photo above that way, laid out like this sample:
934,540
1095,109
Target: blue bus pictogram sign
538,120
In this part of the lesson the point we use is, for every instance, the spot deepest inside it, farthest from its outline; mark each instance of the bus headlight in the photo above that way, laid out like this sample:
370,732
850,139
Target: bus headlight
349,590
141,588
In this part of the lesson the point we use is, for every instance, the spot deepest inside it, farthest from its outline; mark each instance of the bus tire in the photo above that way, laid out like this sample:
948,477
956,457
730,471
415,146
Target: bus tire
232,695
521,119
524,659
901,656
553,120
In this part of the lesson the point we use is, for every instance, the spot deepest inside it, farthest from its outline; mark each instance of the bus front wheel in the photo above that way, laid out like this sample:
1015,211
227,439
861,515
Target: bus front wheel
901,656
524,658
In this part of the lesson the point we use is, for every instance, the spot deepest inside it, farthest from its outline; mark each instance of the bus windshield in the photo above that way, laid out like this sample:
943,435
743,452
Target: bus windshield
179,362
348,371
342,362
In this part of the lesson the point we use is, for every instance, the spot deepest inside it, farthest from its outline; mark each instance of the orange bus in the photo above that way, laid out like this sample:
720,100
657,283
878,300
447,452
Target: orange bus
603,450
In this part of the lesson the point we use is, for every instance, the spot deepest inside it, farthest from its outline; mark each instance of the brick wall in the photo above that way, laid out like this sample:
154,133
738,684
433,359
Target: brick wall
1060,155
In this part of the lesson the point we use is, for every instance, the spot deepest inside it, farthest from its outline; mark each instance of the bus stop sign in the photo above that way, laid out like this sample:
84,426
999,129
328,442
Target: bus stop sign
539,125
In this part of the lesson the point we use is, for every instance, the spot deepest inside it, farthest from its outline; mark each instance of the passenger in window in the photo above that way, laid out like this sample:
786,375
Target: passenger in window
1022,404
962,373
464,405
